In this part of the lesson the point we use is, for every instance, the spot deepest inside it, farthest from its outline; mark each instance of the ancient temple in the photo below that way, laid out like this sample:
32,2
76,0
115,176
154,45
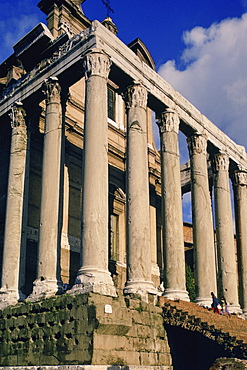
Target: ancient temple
87,202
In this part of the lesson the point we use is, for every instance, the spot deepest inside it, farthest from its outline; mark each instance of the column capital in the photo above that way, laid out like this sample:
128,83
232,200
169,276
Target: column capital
169,121
52,90
240,178
17,115
197,144
137,96
96,63
221,161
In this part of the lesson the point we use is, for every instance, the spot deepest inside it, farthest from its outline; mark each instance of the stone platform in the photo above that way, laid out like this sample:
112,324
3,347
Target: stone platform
87,329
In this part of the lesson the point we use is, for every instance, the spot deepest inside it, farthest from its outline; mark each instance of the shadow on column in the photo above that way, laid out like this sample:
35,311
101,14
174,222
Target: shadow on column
5,139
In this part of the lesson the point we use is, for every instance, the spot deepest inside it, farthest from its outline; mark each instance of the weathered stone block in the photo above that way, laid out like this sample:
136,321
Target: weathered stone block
10,360
109,357
133,331
2,324
113,327
164,359
143,331
110,342
83,342
77,332
161,346
21,320
148,358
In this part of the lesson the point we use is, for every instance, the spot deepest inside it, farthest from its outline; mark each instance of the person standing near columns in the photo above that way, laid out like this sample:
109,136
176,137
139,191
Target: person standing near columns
48,280
240,195
138,226
93,276
9,292
173,238
224,233
203,231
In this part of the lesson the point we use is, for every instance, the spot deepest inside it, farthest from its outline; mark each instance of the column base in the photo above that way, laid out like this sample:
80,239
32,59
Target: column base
10,297
140,288
204,302
174,295
95,281
235,308
45,288
245,313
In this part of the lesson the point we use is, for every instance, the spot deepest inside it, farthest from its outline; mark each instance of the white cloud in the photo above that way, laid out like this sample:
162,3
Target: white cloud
20,26
10,35
214,77
16,19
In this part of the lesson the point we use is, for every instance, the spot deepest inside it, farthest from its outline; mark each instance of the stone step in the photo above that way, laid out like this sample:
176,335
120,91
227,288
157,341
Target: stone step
232,328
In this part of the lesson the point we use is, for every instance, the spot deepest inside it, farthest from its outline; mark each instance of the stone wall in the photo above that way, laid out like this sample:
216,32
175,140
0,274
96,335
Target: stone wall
87,329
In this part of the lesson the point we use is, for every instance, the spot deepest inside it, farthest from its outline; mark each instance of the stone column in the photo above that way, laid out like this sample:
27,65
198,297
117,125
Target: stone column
10,293
240,193
173,238
94,276
48,280
203,231
224,233
138,221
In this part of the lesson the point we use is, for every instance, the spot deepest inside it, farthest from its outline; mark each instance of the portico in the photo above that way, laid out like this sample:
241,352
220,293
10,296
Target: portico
95,150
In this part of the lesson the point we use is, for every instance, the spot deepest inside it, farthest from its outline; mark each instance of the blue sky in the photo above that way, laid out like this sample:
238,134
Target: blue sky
199,47
160,23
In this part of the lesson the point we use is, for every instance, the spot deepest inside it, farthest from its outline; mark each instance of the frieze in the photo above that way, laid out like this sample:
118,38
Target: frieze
169,122
137,96
65,27
60,52
17,115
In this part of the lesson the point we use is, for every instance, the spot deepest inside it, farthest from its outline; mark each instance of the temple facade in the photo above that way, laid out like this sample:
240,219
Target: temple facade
87,201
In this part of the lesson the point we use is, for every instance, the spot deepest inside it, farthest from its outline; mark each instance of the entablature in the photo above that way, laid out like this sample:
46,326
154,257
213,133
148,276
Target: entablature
161,95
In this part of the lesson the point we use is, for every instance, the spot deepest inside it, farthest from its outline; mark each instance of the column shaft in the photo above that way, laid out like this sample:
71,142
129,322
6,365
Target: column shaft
138,222
48,281
240,194
9,293
94,275
173,239
203,231
224,233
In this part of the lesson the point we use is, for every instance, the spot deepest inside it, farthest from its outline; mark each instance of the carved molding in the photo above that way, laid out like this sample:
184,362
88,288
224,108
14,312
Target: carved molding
59,53
65,28
52,90
197,144
17,115
137,96
97,63
240,178
221,161
169,122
